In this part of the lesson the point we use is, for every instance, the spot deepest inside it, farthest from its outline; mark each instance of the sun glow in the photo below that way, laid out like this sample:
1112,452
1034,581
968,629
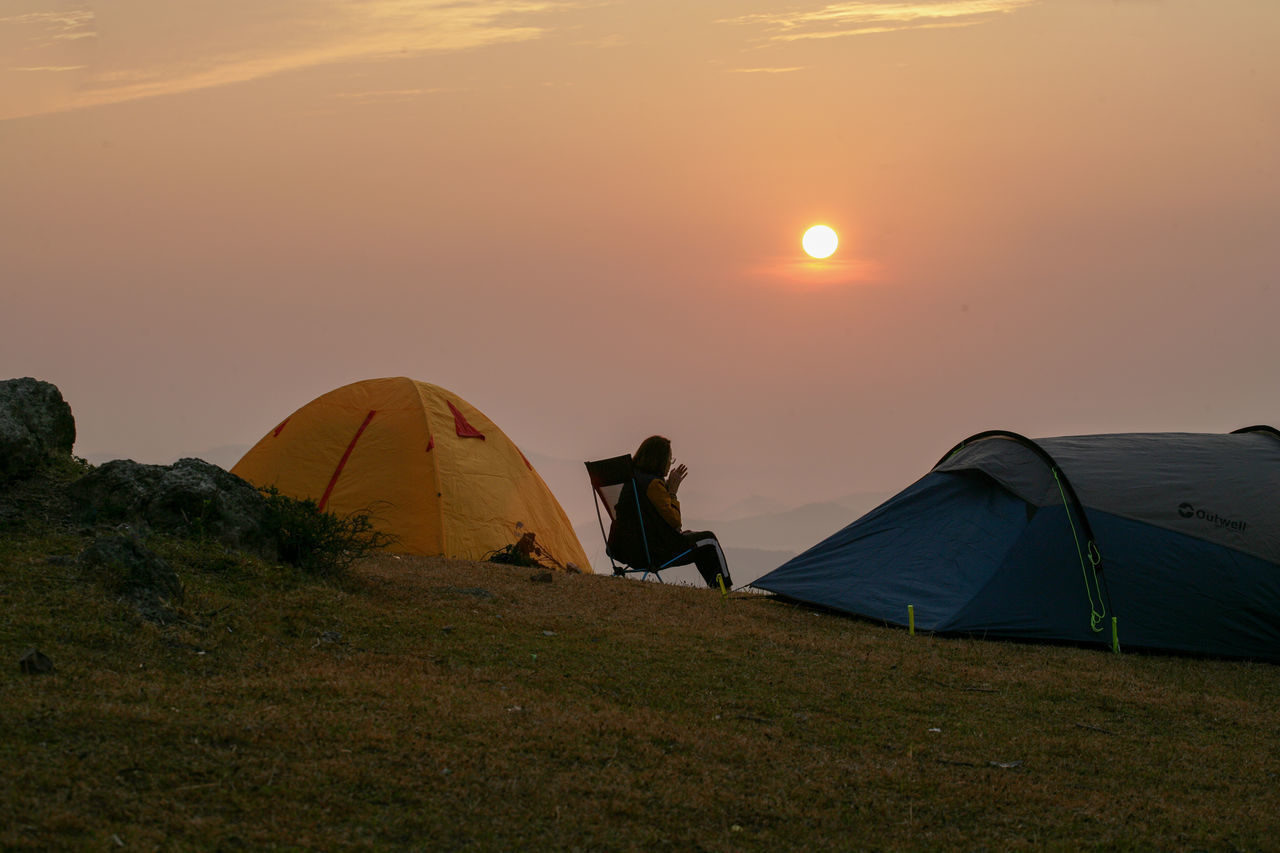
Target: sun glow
820,241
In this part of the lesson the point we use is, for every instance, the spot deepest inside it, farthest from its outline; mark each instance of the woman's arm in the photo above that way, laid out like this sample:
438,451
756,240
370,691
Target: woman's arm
667,505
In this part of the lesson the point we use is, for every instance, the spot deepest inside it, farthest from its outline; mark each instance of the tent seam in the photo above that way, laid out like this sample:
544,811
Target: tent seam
435,465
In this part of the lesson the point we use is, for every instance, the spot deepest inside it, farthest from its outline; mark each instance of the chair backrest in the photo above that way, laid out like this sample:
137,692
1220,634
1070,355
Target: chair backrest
608,478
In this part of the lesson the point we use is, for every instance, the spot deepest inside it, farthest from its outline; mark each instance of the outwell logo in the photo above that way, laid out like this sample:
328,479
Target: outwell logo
1186,510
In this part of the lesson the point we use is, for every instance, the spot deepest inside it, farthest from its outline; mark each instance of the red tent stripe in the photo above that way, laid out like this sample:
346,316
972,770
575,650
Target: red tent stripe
333,481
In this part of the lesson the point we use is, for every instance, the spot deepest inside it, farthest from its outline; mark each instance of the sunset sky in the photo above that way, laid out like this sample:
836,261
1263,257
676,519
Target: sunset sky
584,217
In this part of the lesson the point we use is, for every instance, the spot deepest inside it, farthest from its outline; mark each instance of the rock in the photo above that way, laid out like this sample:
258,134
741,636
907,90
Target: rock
541,577
115,491
330,637
34,662
189,498
127,567
36,425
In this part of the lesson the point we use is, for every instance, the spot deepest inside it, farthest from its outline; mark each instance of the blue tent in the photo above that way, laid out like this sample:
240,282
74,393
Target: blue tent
1175,536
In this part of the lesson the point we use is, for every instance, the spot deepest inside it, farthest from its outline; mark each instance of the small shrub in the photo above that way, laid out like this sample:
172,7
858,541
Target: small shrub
511,555
67,468
319,542
524,552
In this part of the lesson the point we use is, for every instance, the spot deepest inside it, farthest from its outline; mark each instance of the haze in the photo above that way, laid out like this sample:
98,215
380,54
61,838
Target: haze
585,219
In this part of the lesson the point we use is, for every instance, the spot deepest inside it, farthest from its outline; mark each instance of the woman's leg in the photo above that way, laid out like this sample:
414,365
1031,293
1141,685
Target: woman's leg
708,556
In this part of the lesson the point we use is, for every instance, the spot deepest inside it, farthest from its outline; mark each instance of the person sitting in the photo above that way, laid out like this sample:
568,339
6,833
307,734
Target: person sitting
656,485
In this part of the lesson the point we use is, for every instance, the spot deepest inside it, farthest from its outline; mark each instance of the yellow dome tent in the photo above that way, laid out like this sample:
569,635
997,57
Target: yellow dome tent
428,467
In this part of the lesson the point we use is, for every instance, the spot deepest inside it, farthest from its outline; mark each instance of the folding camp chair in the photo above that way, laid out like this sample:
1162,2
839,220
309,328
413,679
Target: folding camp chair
609,477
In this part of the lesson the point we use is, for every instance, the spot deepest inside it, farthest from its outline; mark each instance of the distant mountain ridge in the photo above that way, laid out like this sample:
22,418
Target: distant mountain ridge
795,529
758,532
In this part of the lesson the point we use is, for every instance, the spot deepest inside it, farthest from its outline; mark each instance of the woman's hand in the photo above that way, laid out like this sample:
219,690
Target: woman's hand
676,477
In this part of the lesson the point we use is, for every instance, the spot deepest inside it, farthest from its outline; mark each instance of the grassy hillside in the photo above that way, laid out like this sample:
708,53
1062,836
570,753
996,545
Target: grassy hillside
431,704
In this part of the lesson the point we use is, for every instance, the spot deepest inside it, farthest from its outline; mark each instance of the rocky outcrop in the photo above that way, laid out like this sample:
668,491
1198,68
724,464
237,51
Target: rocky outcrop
36,426
188,498
128,568
35,662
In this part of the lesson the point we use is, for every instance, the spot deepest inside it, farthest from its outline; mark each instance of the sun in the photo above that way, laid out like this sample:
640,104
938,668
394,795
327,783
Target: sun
820,241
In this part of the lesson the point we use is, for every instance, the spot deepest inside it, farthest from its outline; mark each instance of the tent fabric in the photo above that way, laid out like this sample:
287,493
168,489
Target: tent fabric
1207,486
986,544
429,468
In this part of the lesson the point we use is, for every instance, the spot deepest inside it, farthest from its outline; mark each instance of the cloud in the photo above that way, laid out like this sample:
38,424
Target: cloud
58,26
383,95
812,274
786,70
865,17
210,43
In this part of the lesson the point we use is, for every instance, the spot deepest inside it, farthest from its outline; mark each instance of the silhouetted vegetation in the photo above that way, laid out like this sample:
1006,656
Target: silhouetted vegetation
318,542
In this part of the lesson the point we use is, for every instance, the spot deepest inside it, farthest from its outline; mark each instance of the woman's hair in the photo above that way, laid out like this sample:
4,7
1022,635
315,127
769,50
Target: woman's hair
654,455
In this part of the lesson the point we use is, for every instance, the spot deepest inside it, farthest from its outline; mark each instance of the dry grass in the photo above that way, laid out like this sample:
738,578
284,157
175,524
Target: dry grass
442,705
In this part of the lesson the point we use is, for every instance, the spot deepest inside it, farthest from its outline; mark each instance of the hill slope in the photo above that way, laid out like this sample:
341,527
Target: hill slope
431,704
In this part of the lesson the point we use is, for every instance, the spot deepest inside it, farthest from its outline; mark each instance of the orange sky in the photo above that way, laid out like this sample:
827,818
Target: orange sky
585,218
